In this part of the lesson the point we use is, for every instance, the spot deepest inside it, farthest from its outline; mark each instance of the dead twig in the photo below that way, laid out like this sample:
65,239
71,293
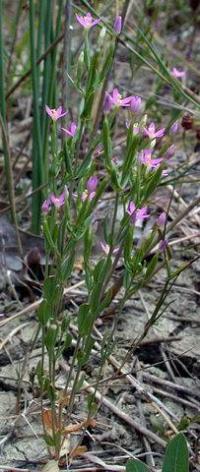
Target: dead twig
6,468
150,459
41,58
126,418
13,332
166,383
175,398
33,306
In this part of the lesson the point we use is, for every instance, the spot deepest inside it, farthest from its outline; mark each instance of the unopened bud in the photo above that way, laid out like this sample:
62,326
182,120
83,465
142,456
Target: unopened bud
118,24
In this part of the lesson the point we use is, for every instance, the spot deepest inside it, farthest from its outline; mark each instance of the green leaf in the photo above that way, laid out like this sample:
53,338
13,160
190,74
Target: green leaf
50,289
51,337
67,160
128,247
44,313
85,165
49,240
153,183
101,270
67,266
107,142
132,142
133,465
84,354
151,267
106,301
107,64
84,320
176,456
91,85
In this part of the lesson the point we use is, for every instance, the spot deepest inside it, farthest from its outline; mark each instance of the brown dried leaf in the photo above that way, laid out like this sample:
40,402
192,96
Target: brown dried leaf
73,428
47,419
78,451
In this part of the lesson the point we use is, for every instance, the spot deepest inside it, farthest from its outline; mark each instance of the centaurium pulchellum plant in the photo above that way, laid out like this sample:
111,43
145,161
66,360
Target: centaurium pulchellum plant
83,166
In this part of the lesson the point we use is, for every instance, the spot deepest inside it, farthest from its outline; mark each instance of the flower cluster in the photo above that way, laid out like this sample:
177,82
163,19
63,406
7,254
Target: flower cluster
91,187
114,99
145,157
151,132
178,73
137,214
55,114
54,201
71,131
87,21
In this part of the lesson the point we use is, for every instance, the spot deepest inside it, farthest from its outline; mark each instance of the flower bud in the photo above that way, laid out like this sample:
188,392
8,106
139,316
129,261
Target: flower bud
175,127
118,24
136,103
163,245
170,151
161,220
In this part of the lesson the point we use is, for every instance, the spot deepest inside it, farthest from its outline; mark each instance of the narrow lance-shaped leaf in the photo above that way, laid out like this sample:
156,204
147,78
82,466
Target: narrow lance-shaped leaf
107,143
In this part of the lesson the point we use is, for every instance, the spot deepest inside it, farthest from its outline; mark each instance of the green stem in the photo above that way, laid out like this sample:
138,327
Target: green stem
37,178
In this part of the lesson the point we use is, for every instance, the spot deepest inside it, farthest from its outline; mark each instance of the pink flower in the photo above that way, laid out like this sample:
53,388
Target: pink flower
87,21
145,157
163,245
55,113
175,127
58,201
135,104
136,215
106,248
162,218
152,133
118,24
53,200
92,184
178,73
108,103
46,206
71,131
114,99
90,191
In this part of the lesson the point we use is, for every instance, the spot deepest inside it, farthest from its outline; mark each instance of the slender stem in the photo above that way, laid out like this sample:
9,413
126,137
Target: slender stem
5,137
29,71
73,392
66,55
2,71
37,143
10,182
72,364
15,31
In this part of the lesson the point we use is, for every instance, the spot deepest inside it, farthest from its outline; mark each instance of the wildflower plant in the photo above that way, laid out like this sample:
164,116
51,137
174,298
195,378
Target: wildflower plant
82,168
